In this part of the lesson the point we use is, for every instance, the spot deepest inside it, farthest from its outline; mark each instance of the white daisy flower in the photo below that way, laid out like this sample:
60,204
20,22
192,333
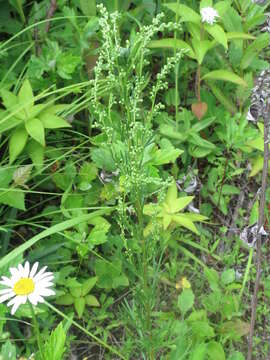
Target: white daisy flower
209,15
26,284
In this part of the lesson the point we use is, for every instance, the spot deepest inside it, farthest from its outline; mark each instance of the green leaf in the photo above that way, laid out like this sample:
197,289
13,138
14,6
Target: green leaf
185,301
88,285
228,276
36,153
79,304
13,198
54,347
58,228
25,96
171,194
10,100
218,34
66,299
166,156
236,356
91,300
88,7
236,35
171,43
51,121
199,353
185,12
224,75
180,203
35,129
215,351
202,330
183,220
253,49
201,48
8,351
17,143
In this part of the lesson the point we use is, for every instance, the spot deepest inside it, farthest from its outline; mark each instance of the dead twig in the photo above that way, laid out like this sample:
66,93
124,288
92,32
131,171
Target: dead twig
50,13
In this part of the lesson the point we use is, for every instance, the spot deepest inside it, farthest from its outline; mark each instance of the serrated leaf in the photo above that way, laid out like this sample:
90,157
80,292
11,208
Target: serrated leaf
54,347
224,75
51,121
35,129
171,194
17,143
171,43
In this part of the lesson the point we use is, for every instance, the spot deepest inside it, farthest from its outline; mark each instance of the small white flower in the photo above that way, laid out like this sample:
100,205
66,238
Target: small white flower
26,284
209,15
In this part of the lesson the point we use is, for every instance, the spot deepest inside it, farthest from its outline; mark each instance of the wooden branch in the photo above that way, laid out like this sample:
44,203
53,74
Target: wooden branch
259,235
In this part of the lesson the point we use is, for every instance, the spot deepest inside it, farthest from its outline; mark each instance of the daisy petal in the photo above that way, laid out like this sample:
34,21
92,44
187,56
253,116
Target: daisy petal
46,292
26,269
7,296
39,276
6,281
33,270
5,291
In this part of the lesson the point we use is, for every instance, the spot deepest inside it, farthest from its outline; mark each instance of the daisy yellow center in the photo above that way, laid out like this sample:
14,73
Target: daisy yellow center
24,286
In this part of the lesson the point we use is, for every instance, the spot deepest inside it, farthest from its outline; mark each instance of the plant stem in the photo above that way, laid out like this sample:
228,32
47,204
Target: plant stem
259,235
108,347
176,72
36,327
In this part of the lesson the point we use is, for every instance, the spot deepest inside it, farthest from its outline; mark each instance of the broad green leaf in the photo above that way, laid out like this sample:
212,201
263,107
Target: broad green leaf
257,144
224,75
35,129
151,209
180,203
228,276
236,356
36,110
171,43
235,328
166,156
10,100
51,121
201,48
257,166
195,139
199,353
91,301
79,304
205,3
17,143
13,198
218,34
185,12
171,194
166,220
66,299
8,122
36,153
88,7
234,35
261,42
25,96
202,330
215,351
184,221
88,285
222,98
171,132
8,351
185,301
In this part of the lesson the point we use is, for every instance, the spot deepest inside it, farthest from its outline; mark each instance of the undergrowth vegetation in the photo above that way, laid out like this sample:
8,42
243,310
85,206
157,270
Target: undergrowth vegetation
131,157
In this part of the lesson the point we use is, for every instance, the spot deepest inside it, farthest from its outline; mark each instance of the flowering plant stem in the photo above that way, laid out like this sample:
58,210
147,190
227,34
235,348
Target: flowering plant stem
36,328
110,348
